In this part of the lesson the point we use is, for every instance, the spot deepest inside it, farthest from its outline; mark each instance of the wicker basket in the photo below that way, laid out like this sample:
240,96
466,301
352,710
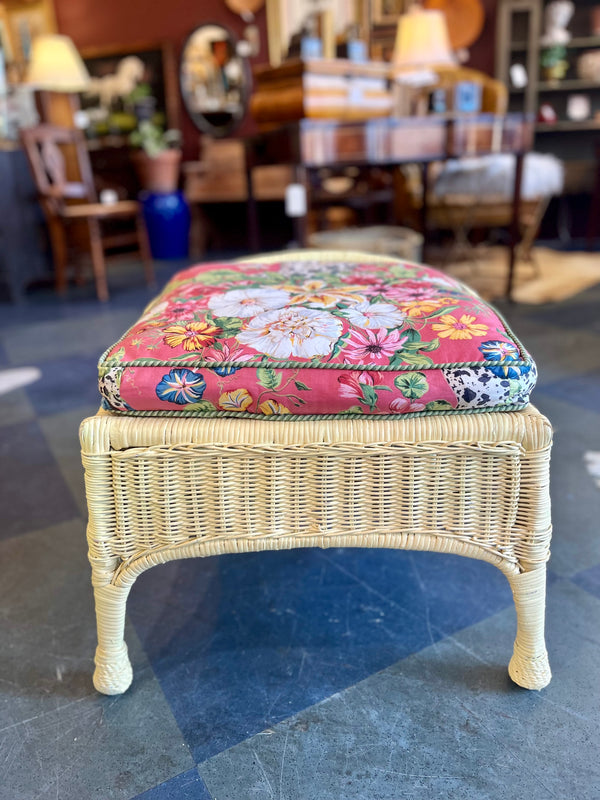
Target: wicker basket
388,240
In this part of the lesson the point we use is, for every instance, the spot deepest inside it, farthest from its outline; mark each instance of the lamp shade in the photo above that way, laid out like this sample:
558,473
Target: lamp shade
56,66
422,40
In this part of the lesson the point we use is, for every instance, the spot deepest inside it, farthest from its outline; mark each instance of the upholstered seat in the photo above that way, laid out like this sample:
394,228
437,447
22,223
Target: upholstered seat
306,337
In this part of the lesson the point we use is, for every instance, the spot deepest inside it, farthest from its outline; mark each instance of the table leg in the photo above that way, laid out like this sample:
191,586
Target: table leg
301,221
251,207
515,225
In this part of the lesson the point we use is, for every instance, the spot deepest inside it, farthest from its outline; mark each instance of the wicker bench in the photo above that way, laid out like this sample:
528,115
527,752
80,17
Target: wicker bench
246,448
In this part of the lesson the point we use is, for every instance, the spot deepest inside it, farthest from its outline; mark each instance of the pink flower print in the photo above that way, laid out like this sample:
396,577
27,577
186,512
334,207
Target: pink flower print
402,405
351,384
373,347
412,291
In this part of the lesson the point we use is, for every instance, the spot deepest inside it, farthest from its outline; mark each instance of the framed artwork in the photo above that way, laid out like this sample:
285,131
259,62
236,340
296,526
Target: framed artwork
128,84
21,21
286,20
386,12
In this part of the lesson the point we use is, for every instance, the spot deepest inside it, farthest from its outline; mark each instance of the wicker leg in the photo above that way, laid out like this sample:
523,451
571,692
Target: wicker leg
529,665
113,669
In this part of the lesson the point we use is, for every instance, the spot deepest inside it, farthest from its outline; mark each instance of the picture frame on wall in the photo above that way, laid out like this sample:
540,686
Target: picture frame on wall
286,18
386,12
26,19
130,83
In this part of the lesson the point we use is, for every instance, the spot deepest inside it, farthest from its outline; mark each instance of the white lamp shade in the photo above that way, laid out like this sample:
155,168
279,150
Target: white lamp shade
56,66
422,40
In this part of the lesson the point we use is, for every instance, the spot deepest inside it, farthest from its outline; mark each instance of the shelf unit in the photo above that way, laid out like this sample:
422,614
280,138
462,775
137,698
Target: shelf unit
519,29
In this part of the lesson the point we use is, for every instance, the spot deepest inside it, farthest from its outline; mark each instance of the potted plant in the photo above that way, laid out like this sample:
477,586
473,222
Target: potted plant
554,63
158,158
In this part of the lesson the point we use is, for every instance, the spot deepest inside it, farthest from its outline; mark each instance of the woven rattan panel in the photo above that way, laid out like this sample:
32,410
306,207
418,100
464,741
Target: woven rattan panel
165,495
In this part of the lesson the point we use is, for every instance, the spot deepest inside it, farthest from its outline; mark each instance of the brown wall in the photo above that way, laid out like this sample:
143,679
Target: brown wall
482,52
93,24
114,22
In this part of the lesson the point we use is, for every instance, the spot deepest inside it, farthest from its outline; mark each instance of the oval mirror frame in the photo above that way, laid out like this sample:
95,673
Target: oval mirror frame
214,80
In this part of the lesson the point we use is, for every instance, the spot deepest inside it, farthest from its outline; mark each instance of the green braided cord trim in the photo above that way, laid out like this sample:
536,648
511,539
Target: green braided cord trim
302,417
149,362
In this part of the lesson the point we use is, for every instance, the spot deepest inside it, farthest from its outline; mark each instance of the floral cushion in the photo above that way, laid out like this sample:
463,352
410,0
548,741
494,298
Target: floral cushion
313,335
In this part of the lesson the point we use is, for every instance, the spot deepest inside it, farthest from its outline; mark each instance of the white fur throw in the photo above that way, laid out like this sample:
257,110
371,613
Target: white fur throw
493,176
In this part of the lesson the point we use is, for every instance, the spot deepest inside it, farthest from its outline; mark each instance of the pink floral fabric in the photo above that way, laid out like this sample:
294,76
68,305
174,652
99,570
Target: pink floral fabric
315,336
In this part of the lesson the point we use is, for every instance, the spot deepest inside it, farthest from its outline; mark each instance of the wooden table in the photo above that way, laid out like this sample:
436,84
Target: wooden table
311,144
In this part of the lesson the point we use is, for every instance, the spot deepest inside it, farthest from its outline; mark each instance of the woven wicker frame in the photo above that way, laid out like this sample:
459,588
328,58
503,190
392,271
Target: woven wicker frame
160,489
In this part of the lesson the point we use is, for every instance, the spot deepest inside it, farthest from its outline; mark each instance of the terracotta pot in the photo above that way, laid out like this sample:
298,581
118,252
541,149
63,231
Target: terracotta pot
160,174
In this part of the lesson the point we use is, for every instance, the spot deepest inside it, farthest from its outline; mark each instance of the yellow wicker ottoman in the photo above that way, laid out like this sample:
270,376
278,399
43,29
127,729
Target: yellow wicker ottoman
308,400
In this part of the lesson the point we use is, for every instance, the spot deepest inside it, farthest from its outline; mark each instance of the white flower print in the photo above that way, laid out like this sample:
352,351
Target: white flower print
287,332
374,315
247,302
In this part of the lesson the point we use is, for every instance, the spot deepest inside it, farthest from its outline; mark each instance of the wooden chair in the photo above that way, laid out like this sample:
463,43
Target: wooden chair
52,153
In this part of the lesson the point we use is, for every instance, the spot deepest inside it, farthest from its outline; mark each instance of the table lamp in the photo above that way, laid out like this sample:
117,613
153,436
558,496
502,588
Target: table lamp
422,42
57,72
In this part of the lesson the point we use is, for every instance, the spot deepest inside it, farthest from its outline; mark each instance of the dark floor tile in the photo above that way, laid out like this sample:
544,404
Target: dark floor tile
58,737
589,579
240,642
33,493
581,391
446,722
66,383
187,786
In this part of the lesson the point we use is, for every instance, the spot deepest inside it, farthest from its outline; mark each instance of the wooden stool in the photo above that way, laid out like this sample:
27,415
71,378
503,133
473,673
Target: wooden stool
242,455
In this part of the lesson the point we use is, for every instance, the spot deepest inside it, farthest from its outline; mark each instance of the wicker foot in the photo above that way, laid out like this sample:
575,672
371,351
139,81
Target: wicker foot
113,673
529,665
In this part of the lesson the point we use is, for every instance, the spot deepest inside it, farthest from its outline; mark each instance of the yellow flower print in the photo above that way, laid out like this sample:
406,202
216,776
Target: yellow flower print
192,335
464,328
238,400
272,407
318,294
421,308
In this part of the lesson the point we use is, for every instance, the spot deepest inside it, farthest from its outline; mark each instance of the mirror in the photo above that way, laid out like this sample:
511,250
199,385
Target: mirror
214,80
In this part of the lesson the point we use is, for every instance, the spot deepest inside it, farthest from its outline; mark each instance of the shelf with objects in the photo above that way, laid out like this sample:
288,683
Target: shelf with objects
548,53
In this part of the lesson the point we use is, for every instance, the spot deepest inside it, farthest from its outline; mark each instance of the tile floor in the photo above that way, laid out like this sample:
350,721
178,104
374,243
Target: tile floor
333,675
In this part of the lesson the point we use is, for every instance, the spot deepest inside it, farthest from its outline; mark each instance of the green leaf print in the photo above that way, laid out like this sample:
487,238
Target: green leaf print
412,384
268,378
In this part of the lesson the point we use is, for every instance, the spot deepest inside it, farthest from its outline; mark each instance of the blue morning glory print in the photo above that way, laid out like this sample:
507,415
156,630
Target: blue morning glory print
505,353
181,386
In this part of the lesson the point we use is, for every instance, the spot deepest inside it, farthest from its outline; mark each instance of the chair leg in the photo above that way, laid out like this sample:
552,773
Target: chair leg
113,672
144,247
529,665
58,242
98,261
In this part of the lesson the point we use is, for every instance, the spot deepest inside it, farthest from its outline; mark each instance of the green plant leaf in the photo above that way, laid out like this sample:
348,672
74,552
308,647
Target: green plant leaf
438,405
268,378
302,387
403,357
369,395
200,406
338,345
412,384
353,410
441,311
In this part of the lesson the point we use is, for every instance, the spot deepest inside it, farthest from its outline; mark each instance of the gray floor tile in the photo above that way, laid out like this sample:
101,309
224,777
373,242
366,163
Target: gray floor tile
559,352
37,342
61,432
15,407
446,722
59,739
575,497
